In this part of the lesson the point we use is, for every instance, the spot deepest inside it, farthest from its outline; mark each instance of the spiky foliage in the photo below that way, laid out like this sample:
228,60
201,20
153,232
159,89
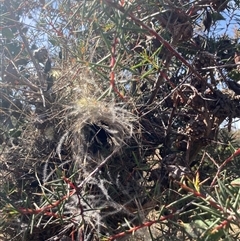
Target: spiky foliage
110,110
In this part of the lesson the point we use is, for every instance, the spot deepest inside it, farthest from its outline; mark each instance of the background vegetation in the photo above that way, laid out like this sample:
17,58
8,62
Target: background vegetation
116,120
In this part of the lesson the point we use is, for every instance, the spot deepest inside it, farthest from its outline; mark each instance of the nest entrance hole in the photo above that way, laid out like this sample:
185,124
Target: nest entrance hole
97,137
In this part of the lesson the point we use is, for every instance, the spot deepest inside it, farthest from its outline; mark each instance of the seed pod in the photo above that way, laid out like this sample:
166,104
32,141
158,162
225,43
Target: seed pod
207,21
60,55
47,66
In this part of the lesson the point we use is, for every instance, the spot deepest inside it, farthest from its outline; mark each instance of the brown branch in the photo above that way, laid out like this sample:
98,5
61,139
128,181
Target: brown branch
173,51
21,79
220,66
160,79
146,224
26,44
154,33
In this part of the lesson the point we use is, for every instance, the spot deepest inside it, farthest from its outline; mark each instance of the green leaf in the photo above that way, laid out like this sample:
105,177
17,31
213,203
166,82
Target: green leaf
53,42
236,182
14,48
202,229
216,16
193,229
14,133
234,74
7,33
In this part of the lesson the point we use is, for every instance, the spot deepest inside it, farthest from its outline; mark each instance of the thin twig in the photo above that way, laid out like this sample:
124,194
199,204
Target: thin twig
220,66
98,168
26,45
236,153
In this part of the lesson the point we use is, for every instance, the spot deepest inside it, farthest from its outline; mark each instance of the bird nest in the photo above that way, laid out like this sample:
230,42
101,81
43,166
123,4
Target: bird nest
84,164
78,167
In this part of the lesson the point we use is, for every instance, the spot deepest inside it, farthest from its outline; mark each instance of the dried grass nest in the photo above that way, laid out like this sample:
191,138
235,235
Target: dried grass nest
93,142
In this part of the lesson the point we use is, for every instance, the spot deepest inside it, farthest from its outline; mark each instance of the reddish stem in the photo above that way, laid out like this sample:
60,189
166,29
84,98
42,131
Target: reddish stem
236,153
146,224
